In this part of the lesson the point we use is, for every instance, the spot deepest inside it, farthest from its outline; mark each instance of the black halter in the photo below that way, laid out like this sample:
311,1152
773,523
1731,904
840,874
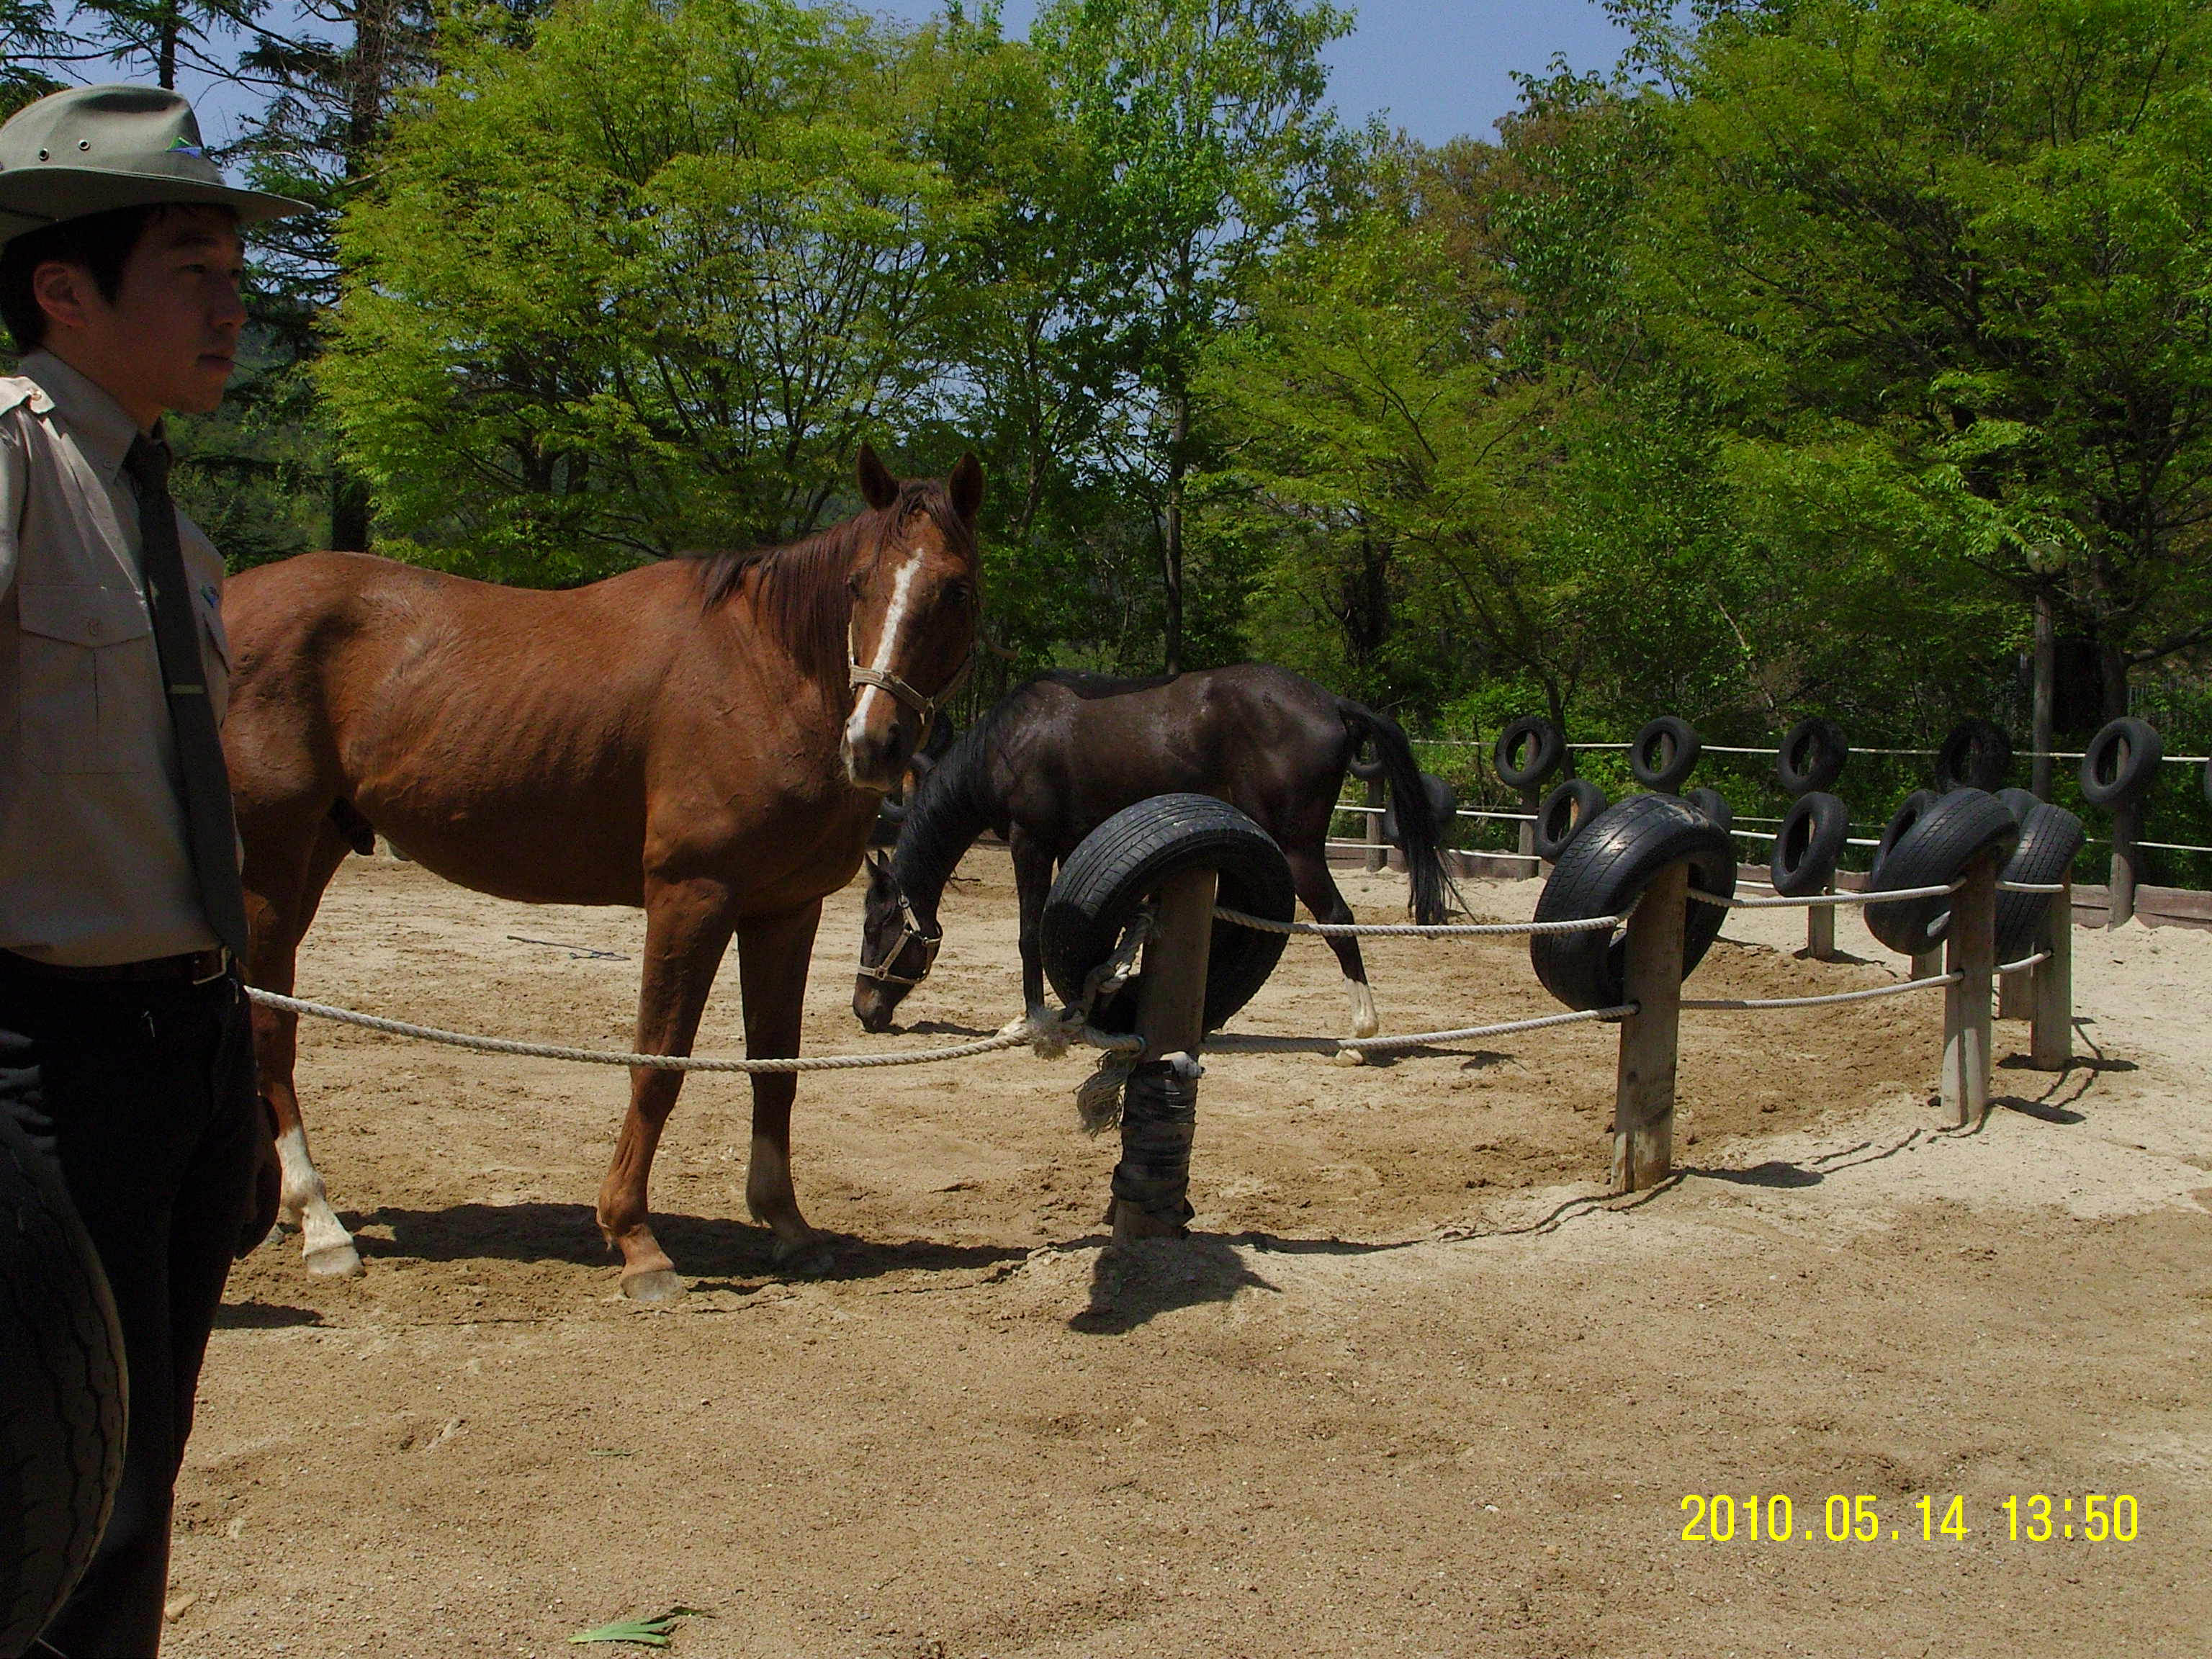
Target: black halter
910,931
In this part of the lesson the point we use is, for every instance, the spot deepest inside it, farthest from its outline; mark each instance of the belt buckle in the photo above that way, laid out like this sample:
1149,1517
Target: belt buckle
222,957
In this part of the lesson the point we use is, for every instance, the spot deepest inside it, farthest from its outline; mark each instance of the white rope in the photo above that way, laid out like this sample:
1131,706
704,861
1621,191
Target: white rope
2023,964
1816,1002
1414,930
1010,1039
2030,887
1254,1044
2165,845
1510,817
1779,902
1734,749
1600,745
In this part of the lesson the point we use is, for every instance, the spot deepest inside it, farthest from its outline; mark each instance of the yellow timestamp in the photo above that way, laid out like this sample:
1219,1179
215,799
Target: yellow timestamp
1722,1517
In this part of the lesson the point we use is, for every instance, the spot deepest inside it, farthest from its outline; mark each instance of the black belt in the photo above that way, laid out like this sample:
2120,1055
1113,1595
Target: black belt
192,968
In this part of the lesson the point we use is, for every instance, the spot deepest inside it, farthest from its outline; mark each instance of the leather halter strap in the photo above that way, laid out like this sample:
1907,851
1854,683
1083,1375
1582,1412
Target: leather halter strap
859,674
910,931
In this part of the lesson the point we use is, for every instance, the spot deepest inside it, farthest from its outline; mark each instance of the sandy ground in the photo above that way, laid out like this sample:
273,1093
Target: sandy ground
1412,1386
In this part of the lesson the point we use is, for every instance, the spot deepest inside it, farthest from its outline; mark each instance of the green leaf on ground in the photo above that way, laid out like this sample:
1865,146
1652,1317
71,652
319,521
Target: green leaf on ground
645,1632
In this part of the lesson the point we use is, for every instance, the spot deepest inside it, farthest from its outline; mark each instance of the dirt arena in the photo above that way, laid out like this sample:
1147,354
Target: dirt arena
1412,1386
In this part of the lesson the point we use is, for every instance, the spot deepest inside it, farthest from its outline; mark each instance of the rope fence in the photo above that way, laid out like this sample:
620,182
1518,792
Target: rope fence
1253,1043
1415,930
1831,996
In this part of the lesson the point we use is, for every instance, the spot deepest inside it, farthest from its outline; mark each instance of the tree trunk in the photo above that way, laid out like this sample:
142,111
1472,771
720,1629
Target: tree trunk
165,60
1171,539
2112,672
349,507
2046,680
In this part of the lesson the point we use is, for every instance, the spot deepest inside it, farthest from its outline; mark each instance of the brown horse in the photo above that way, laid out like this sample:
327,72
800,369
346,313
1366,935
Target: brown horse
706,738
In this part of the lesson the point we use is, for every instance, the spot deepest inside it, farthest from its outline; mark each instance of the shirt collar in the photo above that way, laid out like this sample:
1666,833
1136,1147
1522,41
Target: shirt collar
100,426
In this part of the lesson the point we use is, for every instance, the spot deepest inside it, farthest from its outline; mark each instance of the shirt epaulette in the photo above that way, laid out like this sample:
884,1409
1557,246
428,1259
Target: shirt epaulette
14,390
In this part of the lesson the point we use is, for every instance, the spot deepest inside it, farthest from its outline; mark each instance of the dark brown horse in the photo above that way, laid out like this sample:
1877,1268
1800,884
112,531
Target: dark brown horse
1058,756
707,739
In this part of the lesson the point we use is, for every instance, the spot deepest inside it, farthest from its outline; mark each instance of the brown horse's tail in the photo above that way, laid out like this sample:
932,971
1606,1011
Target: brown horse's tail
1420,836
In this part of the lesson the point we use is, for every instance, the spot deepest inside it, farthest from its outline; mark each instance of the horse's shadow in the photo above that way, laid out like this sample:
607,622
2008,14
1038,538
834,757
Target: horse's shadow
706,1249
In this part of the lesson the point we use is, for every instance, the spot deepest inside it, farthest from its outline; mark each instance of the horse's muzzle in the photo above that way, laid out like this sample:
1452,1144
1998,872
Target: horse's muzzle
875,760
874,1002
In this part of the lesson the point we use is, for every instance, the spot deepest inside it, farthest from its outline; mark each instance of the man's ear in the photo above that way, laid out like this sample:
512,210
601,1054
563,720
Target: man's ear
60,288
877,487
966,486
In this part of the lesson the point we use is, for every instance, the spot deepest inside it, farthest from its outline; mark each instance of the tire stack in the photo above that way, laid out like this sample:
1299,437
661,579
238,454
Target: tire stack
1810,843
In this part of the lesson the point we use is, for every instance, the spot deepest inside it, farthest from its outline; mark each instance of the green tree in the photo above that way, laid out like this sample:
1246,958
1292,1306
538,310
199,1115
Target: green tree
1942,264
642,285
1204,120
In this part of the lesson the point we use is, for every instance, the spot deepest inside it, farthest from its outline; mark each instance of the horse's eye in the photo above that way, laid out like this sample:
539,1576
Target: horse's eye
853,584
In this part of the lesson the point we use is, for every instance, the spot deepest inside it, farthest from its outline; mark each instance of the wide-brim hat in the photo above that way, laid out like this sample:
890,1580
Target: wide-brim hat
92,149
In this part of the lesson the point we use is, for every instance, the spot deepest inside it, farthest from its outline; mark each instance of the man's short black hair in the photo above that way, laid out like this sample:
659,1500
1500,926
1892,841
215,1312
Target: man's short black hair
100,242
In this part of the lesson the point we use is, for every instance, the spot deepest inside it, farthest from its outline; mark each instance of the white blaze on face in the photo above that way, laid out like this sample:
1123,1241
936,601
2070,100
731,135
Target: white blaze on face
887,643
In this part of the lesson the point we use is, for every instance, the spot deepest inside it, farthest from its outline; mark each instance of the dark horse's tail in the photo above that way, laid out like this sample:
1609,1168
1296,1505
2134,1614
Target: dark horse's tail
1420,836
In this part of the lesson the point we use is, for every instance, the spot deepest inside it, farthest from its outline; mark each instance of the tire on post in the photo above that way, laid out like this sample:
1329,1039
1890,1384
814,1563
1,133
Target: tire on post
1714,805
1931,850
1546,747
1603,870
1809,844
61,1383
1443,806
2122,762
1909,811
1811,757
1562,814
1976,755
2049,840
1662,754
1106,879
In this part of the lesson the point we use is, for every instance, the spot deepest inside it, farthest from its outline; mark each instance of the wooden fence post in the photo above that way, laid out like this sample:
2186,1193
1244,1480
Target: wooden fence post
2127,862
1525,842
1970,951
2053,1036
1643,1090
1820,929
2016,993
1378,850
1159,1103
1928,964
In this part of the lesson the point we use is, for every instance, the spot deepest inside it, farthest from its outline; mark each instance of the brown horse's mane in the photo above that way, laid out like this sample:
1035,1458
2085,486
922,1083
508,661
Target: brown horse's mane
798,590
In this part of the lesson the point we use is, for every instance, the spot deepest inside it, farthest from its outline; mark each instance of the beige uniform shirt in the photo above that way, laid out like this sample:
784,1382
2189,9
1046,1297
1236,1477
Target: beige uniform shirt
95,866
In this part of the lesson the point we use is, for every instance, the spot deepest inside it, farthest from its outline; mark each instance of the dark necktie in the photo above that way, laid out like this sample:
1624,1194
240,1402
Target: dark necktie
205,790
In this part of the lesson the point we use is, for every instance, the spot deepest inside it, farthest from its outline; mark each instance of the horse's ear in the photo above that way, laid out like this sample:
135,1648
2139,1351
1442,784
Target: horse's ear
966,486
877,487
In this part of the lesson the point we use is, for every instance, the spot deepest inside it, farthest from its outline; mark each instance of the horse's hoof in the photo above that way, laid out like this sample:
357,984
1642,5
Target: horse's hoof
658,1285
809,1259
1350,1057
335,1262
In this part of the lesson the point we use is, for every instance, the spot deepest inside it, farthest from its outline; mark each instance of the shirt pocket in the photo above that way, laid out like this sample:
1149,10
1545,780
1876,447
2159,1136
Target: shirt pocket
90,679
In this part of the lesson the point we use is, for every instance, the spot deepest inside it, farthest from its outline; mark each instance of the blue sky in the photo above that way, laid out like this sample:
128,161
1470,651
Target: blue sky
1439,68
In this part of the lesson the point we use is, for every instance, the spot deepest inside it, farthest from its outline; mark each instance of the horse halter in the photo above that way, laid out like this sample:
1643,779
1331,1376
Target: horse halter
859,674
910,931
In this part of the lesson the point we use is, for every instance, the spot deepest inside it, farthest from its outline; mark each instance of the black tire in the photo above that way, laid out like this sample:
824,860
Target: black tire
1562,814
1443,805
1366,765
1976,756
1546,748
1809,844
1714,805
1811,757
2019,802
1931,852
1909,811
1663,752
2122,762
2049,840
1122,862
1600,874
61,1384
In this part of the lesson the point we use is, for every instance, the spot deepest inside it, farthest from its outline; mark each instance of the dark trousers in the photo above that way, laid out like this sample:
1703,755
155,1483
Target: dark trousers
164,1145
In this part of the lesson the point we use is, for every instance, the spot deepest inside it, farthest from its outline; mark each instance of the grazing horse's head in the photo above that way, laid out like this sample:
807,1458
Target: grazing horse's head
915,597
897,949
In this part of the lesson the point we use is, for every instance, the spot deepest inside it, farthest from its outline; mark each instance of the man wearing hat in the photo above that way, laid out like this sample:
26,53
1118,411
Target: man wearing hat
122,920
